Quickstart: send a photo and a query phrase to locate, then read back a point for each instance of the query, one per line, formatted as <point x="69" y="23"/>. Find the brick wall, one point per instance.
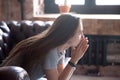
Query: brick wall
<point x="28" y="9"/>
<point x="11" y="10"/>
<point x="97" y="26"/>
<point x="0" y="9"/>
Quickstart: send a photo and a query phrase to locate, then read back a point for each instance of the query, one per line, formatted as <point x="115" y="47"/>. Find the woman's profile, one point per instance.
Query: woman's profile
<point x="43" y="55"/>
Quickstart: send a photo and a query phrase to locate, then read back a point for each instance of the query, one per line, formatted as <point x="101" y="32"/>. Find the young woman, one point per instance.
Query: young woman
<point x="41" y="55"/>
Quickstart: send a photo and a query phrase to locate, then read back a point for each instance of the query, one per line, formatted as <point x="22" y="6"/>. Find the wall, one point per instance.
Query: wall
<point x="11" y="9"/>
<point x="0" y="9"/>
<point x="28" y="9"/>
<point x="101" y="26"/>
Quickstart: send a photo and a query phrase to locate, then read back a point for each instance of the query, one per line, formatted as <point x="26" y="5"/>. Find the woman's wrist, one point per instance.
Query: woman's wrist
<point x="72" y="64"/>
<point x="74" y="61"/>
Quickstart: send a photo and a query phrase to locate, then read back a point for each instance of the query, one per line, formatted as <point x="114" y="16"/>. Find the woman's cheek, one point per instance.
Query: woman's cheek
<point x="78" y="40"/>
<point x="80" y="37"/>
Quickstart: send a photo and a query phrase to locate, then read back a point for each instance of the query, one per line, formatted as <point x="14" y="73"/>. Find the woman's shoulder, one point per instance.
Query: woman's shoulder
<point x="53" y="52"/>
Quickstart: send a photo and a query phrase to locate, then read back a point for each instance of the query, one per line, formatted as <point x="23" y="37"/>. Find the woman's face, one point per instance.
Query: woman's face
<point x="74" y="41"/>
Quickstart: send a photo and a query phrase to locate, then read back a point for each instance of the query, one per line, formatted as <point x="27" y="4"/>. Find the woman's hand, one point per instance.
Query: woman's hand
<point x="78" y="52"/>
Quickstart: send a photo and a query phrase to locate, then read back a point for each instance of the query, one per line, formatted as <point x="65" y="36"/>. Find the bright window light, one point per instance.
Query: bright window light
<point x="71" y="2"/>
<point x="38" y="7"/>
<point x="107" y="2"/>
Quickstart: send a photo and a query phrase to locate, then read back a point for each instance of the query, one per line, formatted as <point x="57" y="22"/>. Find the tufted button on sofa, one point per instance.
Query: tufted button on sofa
<point x="12" y="32"/>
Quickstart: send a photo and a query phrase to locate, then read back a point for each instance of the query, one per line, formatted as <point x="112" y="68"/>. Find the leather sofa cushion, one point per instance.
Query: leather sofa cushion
<point x="12" y="32"/>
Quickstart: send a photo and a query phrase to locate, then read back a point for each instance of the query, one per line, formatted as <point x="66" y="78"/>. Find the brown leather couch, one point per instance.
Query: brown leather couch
<point x="12" y="32"/>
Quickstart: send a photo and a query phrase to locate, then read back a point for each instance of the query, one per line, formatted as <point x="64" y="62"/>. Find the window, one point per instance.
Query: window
<point x="107" y="2"/>
<point x="38" y="7"/>
<point x="85" y="6"/>
<point x="71" y="2"/>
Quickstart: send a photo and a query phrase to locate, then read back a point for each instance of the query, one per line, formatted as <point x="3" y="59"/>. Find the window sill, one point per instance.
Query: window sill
<point x="51" y="17"/>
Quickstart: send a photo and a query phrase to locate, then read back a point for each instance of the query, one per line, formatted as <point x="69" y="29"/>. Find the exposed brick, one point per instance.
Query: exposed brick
<point x="11" y="9"/>
<point x="0" y="9"/>
<point x="104" y="27"/>
<point x="28" y="9"/>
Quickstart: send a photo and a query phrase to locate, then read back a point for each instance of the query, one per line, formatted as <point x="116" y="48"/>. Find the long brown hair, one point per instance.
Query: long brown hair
<point x="36" y="47"/>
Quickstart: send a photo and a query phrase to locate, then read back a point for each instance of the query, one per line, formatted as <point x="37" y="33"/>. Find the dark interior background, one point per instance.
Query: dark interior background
<point x="88" y="8"/>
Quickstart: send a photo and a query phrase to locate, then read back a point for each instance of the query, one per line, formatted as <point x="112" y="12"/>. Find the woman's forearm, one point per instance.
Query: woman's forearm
<point x="76" y="54"/>
<point x="60" y="68"/>
<point x="67" y="72"/>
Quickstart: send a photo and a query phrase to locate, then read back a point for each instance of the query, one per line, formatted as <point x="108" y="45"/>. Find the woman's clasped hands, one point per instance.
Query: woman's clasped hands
<point x="78" y="51"/>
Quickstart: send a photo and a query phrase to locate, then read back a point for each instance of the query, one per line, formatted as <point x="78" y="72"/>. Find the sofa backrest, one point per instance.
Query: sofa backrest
<point x="12" y="32"/>
<point x="4" y="39"/>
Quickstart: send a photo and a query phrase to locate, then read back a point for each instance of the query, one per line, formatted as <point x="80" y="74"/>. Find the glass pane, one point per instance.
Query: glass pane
<point x="107" y="2"/>
<point x="71" y="2"/>
<point x="38" y="7"/>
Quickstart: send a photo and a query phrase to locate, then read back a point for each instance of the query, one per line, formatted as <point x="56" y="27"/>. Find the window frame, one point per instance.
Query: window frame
<point x="89" y="8"/>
